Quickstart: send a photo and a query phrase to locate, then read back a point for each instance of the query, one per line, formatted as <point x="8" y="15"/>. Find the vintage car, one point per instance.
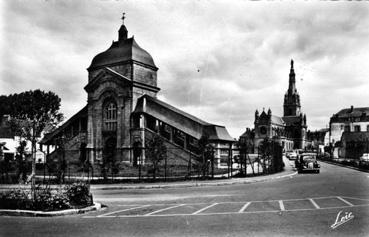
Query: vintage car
<point x="291" y="155"/>
<point x="307" y="162"/>
<point x="364" y="160"/>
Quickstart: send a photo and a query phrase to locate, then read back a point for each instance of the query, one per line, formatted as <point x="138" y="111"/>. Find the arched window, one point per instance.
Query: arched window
<point x="110" y="116"/>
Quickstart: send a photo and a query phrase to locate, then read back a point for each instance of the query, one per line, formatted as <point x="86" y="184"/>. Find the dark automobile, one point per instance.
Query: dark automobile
<point x="307" y="163"/>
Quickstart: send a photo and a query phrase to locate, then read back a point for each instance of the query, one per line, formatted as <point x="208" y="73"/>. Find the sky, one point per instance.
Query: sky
<point x="218" y="60"/>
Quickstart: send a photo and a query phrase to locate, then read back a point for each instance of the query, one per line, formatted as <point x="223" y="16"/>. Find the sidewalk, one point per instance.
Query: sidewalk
<point x="287" y="172"/>
<point x="344" y="165"/>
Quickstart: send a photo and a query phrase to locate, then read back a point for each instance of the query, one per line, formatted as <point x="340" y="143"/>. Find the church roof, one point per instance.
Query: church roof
<point x="277" y="120"/>
<point x="217" y="132"/>
<point x="122" y="51"/>
<point x="48" y="137"/>
<point x="180" y="119"/>
<point x="291" y="120"/>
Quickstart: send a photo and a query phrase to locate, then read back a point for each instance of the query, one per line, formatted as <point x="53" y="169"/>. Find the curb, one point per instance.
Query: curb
<point x="8" y="212"/>
<point x="200" y="184"/>
<point x="345" y="166"/>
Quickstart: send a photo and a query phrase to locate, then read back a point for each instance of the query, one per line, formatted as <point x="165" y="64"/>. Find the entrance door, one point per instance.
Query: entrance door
<point x="110" y="150"/>
<point x="137" y="150"/>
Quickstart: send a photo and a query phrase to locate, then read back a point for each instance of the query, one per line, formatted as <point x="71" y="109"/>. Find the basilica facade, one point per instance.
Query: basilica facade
<point x="290" y="129"/>
<point x="123" y="113"/>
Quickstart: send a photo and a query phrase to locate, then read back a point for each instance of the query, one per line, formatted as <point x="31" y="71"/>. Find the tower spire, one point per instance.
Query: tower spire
<point x="123" y="17"/>
<point x="291" y="104"/>
<point x="292" y="81"/>
<point x="123" y="32"/>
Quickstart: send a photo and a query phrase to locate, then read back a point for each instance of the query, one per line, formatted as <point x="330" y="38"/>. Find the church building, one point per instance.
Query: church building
<point x="123" y="113"/>
<point x="289" y="130"/>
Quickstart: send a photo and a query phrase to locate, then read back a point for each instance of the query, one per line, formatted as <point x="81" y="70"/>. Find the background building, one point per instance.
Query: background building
<point x="348" y="120"/>
<point x="349" y="132"/>
<point x="289" y="130"/>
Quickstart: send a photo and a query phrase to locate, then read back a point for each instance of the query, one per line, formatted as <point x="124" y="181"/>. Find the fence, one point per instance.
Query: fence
<point x="191" y="168"/>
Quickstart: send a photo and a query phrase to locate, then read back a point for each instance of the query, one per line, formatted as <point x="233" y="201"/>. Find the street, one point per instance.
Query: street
<point x="300" y="205"/>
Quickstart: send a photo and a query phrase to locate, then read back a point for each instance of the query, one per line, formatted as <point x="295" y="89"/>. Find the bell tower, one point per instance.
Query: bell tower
<point x="291" y="105"/>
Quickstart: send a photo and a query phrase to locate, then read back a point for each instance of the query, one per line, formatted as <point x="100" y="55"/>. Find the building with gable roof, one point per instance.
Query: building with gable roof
<point x="123" y="113"/>
<point x="349" y="132"/>
<point x="348" y="120"/>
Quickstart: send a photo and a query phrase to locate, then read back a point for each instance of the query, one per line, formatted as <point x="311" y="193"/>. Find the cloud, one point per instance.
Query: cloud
<point x="218" y="60"/>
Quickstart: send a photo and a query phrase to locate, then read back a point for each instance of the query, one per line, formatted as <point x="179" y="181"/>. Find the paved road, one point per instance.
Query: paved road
<point x="304" y="205"/>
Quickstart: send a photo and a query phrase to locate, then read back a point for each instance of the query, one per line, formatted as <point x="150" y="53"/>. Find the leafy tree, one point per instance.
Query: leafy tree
<point x="156" y="151"/>
<point x="31" y="112"/>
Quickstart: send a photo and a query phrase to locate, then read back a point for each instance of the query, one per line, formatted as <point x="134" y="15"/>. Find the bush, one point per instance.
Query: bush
<point x="16" y="199"/>
<point x="45" y="199"/>
<point x="79" y="194"/>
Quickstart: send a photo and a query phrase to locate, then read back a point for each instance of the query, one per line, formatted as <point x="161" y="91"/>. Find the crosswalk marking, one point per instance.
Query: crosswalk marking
<point x="281" y="205"/>
<point x="345" y="201"/>
<point x="203" y="209"/>
<point x="244" y="207"/>
<point x="164" y="209"/>
<point x="314" y="203"/>
<point x="128" y="209"/>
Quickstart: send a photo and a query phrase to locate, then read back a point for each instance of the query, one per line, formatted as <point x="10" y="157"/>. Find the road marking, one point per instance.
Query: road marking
<point x="314" y="203"/>
<point x="356" y="198"/>
<point x="227" y="213"/>
<point x="200" y="203"/>
<point x="246" y="204"/>
<point x="345" y="201"/>
<point x="128" y="209"/>
<point x="132" y="205"/>
<point x="203" y="209"/>
<point x="164" y="209"/>
<point x="244" y="207"/>
<point x="281" y="205"/>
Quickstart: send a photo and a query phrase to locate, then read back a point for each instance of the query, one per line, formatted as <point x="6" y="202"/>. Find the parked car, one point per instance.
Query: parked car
<point x="324" y="156"/>
<point x="364" y="160"/>
<point x="291" y="155"/>
<point x="307" y="163"/>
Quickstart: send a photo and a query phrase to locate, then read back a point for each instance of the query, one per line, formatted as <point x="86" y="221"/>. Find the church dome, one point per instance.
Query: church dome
<point x="122" y="51"/>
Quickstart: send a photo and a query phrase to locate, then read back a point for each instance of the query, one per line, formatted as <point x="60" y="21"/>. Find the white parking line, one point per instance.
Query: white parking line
<point x="203" y="209"/>
<point x="356" y="198"/>
<point x="164" y="209"/>
<point x="244" y="207"/>
<point x="230" y="213"/>
<point x="281" y="205"/>
<point x="128" y="209"/>
<point x="314" y="203"/>
<point x="345" y="201"/>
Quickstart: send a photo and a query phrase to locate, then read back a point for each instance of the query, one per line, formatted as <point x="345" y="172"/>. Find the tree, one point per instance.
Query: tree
<point x="242" y="146"/>
<point x="31" y="112"/>
<point x="156" y="151"/>
<point x="206" y="151"/>
<point x="265" y="150"/>
<point x="21" y="163"/>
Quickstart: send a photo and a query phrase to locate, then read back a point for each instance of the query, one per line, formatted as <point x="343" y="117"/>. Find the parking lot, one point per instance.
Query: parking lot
<point x="222" y="208"/>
